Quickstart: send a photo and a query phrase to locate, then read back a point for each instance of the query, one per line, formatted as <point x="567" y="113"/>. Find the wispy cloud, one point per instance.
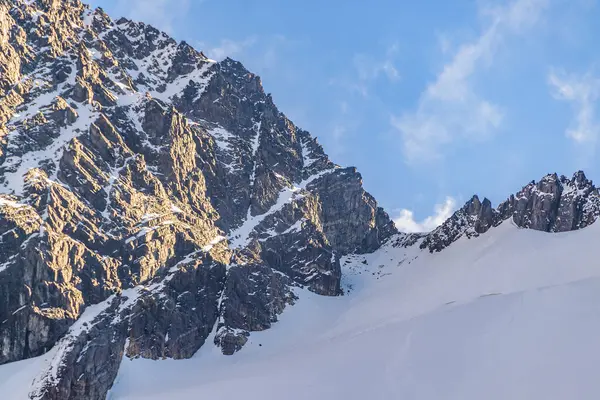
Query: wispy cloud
<point x="583" y="92"/>
<point x="405" y="222"/>
<point x="367" y="68"/>
<point x="275" y="48"/>
<point x="339" y="131"/>
<point x="450" y="108"/>
<point x="370" y="68"/>
<point x="162" y="14"/>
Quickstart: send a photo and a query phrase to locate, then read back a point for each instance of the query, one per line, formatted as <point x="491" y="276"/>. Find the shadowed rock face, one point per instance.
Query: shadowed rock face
<point x="151" y="198"/>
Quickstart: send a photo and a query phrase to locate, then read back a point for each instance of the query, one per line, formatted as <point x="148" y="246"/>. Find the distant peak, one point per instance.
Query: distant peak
<point x="579" y="176"/>
<point x="550" y="177"/>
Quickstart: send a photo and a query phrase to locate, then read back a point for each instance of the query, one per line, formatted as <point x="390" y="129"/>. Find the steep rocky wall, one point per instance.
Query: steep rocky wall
<point x="149" y="197"/>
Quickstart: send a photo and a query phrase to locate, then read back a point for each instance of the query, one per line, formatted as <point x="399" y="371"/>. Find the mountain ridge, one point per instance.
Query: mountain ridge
<point x="554" y="204"/>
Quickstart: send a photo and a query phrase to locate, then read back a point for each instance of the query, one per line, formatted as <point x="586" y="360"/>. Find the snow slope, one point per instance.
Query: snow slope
<point x="16" y="379"/>
<point x="513" y="314"/>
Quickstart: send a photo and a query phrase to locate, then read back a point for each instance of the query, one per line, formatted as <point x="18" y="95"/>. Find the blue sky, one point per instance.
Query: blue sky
<point x="432" y="100"/>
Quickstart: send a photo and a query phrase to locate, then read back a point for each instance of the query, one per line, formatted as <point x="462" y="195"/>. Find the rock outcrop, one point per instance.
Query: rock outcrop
<point x="474" y="218"/>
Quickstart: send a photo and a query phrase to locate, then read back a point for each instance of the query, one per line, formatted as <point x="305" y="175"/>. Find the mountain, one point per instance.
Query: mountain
<point x="156" y="205"/>
<point x="150" y="197"/>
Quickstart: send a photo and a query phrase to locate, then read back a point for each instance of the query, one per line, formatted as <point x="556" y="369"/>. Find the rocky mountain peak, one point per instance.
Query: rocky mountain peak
<point x="473" y="218"/>
<point x="152" y="200"/>
<point x="580" y="178"/>
<point x="553" y="204"/>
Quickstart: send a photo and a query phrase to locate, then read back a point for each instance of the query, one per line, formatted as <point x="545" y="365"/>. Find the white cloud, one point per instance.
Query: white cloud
<point x="405" y="222"/>
<point x="163" y="14"/>
<point x="450" y="108"/>
<point x="367" y="69"/>
<point x="275" y="47"/>
<point x="583" y="92"/>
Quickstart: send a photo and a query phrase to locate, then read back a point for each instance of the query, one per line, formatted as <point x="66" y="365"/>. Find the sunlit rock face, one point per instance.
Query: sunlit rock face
<point x="152" y="200"/>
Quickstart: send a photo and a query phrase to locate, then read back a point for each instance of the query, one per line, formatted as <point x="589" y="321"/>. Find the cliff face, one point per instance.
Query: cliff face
<point x="157" y="193"/>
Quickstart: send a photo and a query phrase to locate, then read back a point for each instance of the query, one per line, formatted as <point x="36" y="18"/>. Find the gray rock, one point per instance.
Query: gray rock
<point x="555" y="204"/>
<point x="473" y="219"/>
<point x="254" y="295"/>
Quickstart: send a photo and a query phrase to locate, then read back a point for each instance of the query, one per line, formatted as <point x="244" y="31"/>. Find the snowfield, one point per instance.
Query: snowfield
<point x="513" y="314"/>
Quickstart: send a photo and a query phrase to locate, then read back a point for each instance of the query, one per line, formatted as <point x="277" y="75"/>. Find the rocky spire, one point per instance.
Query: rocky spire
<point x="474" y="218"/>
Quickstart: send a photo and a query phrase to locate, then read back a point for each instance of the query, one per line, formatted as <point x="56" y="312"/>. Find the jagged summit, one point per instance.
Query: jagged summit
<point x="554" y="204"/>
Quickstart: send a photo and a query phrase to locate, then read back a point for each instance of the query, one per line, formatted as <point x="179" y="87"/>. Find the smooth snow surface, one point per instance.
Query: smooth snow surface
<point x="16" y="379"/>
<point x="513" y="314"/>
